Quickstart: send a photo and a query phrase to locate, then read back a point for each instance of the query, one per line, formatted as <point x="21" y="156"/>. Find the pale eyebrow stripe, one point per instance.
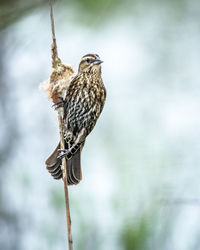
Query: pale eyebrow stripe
<point x="91" y="55"/>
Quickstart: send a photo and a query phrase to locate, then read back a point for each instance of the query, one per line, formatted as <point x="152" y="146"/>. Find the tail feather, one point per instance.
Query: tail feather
<point x="54" y="168"/>
<point x="57" y="173"/>
<point x="70" y="179"/>
<point x="74" y="174"/>
<point x="76" y="169"/>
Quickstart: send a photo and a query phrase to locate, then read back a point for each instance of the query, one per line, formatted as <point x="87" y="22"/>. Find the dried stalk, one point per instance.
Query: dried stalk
<point x="55" y="63"/>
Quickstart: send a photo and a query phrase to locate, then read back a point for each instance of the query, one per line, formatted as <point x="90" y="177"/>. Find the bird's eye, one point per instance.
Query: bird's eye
<point x="88" y="60"/>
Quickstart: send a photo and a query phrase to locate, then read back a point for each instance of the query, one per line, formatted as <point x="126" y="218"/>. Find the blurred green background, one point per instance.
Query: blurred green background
<point x="140" y="188"/>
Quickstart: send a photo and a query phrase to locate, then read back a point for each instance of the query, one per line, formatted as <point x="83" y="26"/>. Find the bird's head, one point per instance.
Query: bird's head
<point x="90" y="63"/>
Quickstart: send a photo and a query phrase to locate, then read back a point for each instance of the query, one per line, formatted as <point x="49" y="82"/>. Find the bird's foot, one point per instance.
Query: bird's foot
<point x="64" y="153"/>
<point x="58" y="105"/>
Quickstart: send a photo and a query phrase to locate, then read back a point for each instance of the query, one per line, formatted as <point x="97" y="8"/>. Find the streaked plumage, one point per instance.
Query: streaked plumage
<point x="83" y="104"/>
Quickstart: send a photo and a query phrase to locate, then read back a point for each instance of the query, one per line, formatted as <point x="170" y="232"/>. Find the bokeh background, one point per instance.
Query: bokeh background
<point x="140" y="188"/>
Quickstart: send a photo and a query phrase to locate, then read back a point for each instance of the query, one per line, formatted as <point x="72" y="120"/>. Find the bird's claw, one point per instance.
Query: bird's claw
<point x="58" y="105"/>
<point x="60" y="156"/>
<point x="62" y="150"/>
<point x="66" y="153"/>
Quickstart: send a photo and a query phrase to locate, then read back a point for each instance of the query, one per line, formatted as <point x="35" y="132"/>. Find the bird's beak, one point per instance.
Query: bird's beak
<point x="97" y="61"/>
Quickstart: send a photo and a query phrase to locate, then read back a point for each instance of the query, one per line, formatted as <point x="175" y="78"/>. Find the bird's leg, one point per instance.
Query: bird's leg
<point x="68" y="153"/>
<point x="59" y="104"/>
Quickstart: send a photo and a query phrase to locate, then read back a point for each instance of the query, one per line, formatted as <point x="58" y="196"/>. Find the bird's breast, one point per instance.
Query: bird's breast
<point x="86" y="99"/>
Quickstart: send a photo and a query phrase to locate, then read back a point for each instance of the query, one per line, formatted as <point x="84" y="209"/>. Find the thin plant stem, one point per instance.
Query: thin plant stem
<point x="55" y="60"/>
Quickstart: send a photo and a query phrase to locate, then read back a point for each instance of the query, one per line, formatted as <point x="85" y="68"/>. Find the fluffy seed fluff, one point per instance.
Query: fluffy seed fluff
<point x="57" y="84"/>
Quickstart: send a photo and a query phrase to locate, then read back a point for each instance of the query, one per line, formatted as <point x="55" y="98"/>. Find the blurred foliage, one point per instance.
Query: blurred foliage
<point x="11" y="10"/>
<point x="135" y="235"/>
<point x="145" y="231"/>
<point x="91" y="12"/>
<point x="9" y="220"/>
<point x="57" y="199"/>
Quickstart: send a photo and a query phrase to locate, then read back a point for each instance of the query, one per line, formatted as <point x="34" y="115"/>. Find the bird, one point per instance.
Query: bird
<point x="82" y="106"/>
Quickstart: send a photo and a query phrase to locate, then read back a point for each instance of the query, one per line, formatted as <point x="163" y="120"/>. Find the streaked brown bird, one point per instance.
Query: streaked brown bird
<point x="82" y="107"/>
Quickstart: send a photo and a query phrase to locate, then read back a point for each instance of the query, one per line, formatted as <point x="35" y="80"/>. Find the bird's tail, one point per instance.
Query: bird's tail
<point x="74" y="174"/>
